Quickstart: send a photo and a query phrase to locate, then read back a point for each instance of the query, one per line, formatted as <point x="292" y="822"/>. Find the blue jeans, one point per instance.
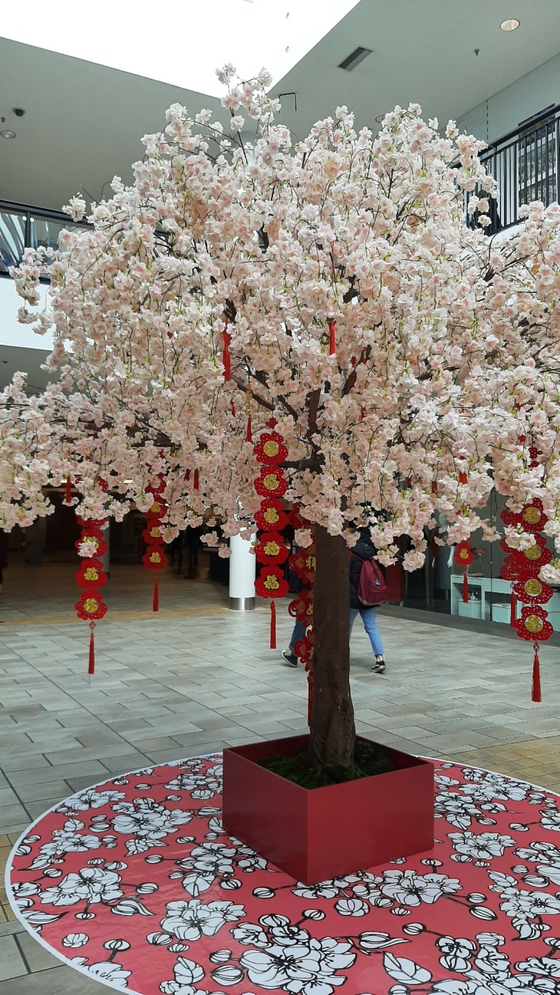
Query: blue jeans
<point x="370" y="625"/>
<point x="297" y="634"/>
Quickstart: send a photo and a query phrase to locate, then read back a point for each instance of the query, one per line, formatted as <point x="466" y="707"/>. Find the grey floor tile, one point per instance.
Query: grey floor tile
<point x="12" y="964"/>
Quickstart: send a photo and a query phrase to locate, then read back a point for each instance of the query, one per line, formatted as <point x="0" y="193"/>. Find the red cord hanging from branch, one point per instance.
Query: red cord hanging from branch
<point x="91" y="577"/>
<point x="536" y="682"/>
<point x="332" y="338"/>
<point x="226" y="357"/>
<point x="68" y="491"/>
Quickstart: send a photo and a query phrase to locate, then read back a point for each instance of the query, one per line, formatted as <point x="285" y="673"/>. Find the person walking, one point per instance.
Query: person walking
<point x="364" y="552"/>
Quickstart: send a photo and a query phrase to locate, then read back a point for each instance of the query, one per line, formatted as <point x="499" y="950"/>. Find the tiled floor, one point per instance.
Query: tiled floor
<point x="198" y="677"/>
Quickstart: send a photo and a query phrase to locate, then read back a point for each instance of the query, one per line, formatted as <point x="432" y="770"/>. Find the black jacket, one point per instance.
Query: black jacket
<point x="363" y="550"/>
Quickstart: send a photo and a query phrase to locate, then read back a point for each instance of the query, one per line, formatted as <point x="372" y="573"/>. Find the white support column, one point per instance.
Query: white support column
<point x="242" y="573"/>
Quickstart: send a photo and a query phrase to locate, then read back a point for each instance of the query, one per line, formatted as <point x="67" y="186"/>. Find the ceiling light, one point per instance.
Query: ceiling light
<point x="510" y="25"/>
<point x="354" y="59"/>
<point x="7" y="134"/>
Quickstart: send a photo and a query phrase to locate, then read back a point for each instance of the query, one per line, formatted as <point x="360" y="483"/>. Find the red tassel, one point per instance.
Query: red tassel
<point x="155" y="601"/>
<point x="332" y="339"/>
<point x="362" y="413"/>
<point x="434" y="486"/>
<point x="187" y="475"/>
<point x="232" y="405"/>
<point x="91" y="665"/>
<point x="465" y="586"/>
<point x="249" y="432"/>
<point x="226" y="358"/>
<point x="68" y="496"/>
<point x="462" y="477"/>
<point x="513" y="614"/>
<point x="196" y="480"/>
<point x="272" y="625"/>
<point x="536" y="695"/>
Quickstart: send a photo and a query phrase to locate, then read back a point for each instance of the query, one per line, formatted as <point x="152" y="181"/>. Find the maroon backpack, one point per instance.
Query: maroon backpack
<point x="371" y="589"/>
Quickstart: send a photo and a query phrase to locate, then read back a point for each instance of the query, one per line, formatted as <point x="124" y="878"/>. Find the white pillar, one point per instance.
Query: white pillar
<point x="242" y="573"/>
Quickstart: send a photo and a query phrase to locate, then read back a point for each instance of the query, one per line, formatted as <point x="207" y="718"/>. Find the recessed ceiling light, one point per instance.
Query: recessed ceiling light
<point x="510" y="25"/>
<point x="7" y="134"/>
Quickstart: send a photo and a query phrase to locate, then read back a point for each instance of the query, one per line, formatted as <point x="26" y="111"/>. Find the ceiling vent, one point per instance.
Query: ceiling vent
<point x="354" y="59"/>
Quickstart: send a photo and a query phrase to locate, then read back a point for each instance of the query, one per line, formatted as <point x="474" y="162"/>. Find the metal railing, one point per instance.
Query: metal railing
<point x="526" y="166"/>
<point x="22" y="226"/>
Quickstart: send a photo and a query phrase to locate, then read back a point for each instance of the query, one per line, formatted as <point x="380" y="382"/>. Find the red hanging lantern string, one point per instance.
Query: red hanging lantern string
<point x="154" y="558"/>
<point x="523" y="567"/>
<point x="91" y="577"/>
<point x="271" y="550"/>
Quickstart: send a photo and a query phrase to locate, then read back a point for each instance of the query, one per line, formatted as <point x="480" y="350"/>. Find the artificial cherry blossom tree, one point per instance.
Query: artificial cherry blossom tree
<point x="407" y="357"/>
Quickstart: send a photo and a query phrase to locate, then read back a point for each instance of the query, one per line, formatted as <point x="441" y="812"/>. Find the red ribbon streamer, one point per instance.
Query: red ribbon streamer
<point x="272" y="625"/>
<point x="513" y="614"/>
<point x="536" y="688"/>
<point x="196" y="481"/>
<point x="465" y="586"/>
<point x="332" y="338"/>
<point x="91" y="665"/>
<point x="155" y="600"/>
<point x="68" y="495"/>
<point x="226" y="358"/>
<point x="249" y="432"/>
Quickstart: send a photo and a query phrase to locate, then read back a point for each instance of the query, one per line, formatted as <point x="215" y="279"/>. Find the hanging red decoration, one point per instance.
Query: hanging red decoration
<point x="226" y="358"/>
<point x="271" y="515"/>
<point x="68" y="491"/>
<point x="154" y="558"/>
<point x="91" y="577"/>
<point x="271" y="519"/>
<point x="464" y="556"/>
<point x="522" y="567"/>
<point x="332" y="338"/>
<point x="271" y="548"/>
<point x="271" y="481"/>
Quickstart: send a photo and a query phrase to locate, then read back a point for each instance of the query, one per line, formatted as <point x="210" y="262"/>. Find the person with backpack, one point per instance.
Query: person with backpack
<point x="367" y="590"/>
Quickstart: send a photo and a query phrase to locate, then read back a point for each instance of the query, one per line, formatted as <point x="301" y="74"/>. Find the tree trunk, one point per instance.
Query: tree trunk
<point x="333" y="732"/>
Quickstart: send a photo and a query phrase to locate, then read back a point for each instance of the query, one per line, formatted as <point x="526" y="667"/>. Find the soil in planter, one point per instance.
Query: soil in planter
<point x="369" y="759"/>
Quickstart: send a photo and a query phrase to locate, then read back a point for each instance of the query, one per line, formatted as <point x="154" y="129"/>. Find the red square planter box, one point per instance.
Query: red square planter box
<point x="327" y="832"/>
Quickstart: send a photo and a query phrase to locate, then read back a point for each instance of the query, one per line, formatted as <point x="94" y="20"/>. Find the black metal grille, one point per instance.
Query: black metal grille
<point x="526" y="167"/>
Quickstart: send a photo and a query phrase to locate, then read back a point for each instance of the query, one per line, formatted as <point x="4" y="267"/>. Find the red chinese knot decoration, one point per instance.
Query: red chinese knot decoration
<point x="271" y="518"/>
<point x="91" y="577"/>
<point x="464" y="557"/>
<point x="154" y="558"/>
<point x="522" y="567"/>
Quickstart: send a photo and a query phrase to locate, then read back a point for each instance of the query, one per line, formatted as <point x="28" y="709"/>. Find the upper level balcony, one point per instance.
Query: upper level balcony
<point x="526" y="166"/>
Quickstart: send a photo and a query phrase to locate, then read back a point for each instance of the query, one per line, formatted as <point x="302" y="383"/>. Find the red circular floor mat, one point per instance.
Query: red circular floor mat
<point x="134" y="883"/>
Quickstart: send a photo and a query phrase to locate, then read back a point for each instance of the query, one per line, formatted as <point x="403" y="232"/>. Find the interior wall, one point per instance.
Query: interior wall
<point x="506" y="109"/>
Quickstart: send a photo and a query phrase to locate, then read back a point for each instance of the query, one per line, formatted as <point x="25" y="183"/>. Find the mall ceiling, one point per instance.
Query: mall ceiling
<point x="83" y="121"/>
